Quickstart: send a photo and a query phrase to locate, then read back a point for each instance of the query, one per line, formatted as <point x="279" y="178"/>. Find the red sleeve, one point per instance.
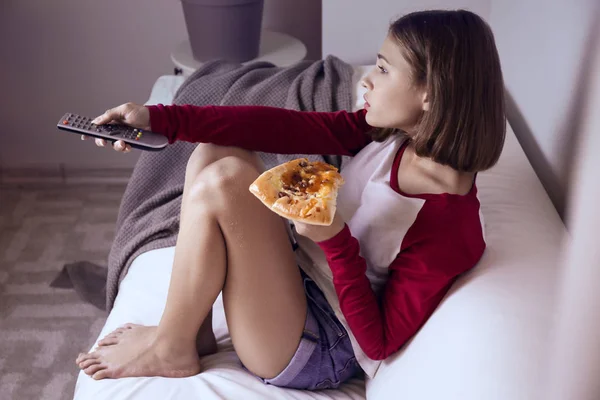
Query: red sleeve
<point x="261" y="128"/>
<point x="418" y="280"/>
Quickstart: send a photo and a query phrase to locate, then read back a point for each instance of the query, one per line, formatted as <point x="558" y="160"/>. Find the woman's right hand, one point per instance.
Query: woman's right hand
<point x="131" y="114"/>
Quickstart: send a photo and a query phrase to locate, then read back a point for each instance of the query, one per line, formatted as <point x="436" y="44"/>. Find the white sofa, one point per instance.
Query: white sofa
<point x="488" y="340"/>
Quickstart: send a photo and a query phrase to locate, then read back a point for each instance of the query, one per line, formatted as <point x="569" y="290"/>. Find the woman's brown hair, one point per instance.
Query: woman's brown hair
<point x="453" y="56"/>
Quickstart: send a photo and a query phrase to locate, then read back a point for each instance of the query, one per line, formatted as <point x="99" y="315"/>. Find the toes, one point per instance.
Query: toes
<point x="101" y="374"/>
<point x="118" y="330"/>
<point x="87" y="356"/>
<point x="108" y="341"/>
<point x="110" y="335"/>
<point x="93" y="369"/>
<point x="114" y="333"/>
<point x="84" y="356"/>
<point x="130" y="326"/>
<point x="88" y="363"/>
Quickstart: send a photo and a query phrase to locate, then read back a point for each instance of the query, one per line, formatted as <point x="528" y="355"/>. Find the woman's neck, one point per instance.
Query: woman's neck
<point x="448" y="179"/>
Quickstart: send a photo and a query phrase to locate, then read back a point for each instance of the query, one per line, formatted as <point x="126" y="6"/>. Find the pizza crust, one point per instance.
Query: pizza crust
<point x="311" y="200"/>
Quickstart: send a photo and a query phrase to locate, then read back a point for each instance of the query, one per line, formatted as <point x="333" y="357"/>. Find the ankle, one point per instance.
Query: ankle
<point x="168" y="345"/>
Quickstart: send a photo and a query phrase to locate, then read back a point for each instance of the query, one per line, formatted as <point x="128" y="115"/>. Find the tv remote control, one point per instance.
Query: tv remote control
<point x="136" y="138"/>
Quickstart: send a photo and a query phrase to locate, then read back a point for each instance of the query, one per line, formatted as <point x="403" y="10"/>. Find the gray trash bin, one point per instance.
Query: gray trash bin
<point x="228" y="29"/>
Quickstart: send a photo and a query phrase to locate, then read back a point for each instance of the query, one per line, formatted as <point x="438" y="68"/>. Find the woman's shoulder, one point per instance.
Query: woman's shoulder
<point x="429" y="184"/>
<point x="428" y="180"/>
<point x="450" y="229"/>
<point x="451" y="219"/>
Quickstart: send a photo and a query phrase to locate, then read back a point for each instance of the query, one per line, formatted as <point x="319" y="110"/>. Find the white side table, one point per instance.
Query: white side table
<point x="278" y="48"/>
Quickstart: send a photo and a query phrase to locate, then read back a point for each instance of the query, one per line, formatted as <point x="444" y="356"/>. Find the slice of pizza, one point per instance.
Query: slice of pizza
<point x="300" y="190"/>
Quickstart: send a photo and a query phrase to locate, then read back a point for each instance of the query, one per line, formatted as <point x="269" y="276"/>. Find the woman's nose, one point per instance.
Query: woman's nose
<point x="366" y="81"/>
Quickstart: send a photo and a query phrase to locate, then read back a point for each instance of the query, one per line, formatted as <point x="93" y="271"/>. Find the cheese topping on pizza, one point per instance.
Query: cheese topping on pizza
<point x="316" y="178"/>
<point x="300" y="189"/>
<point x="312" y="181"/>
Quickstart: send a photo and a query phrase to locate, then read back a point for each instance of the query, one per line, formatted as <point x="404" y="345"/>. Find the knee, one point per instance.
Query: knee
<point x="230" y="175"/>
<point x="207" y="153"/>
<point x="203" y="155"/>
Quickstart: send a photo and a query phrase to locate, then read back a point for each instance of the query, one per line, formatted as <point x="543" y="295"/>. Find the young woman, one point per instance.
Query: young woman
<point x="408" y="220"/>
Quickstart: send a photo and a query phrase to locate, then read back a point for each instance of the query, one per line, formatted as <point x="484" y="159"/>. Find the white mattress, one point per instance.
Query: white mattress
<point x="486" y="340"/>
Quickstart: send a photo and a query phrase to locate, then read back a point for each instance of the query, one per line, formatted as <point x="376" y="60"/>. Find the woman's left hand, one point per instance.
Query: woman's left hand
<point x="320" y="233"/>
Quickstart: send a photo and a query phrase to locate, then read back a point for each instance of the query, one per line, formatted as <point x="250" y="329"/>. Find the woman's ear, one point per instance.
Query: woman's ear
<point x="425" y="102"/>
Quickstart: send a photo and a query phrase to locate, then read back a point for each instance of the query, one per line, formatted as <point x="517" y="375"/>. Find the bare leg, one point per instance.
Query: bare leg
<point x="228" y="240"/>
<point x="205" y="339"/>
<point x="204" y="155"/>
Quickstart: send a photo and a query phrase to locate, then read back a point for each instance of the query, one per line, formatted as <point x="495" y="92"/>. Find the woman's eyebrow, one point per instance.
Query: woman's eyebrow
<point x="381" y="57"/>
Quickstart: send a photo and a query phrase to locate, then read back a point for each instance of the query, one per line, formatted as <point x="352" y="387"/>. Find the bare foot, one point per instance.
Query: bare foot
<point x="206" y="342"/>
<point x="135" y="351"/>
<point x="111" y="338"/>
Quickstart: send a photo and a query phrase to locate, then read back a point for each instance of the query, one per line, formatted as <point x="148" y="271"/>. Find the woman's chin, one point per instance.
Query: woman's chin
<point x="372" y="120"/>
<point x="369" y="118"/>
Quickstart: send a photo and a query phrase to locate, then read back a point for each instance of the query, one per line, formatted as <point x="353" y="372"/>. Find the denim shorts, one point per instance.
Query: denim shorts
<point x="324" y="358"/>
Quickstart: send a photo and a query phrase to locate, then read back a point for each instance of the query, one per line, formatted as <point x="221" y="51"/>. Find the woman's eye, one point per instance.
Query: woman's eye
<point x="381" y="69"/>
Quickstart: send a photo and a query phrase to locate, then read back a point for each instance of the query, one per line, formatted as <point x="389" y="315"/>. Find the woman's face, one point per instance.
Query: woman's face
<point x="391" y="100"/>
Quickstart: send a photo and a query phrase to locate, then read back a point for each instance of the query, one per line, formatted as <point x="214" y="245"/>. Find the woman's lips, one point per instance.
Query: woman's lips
<point x="367" y="105"/>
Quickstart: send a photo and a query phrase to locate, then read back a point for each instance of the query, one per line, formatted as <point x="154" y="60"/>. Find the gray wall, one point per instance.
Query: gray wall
<point x="354" y="29"/>
<point x="299" y="18"/>
<point x="73" y="56"/>
<point x="544" y="50"/>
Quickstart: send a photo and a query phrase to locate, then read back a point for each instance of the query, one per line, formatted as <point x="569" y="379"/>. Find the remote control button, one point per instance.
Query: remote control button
<point x="66" y="122"/>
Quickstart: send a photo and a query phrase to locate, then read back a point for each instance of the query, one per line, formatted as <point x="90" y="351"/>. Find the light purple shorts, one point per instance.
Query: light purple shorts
<point x="324" y="358"/>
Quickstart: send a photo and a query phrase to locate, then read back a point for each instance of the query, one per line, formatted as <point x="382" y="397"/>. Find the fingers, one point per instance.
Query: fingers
<point x="112" y="114"/>
<point x="119" y="145"/>
<point x="119" y="114"/>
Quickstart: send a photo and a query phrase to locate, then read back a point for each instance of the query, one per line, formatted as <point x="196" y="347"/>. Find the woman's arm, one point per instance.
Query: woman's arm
<point x="261" y="128"/>
<point x="419" y="278"/>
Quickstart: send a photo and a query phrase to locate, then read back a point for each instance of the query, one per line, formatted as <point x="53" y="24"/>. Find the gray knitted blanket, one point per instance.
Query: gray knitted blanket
<point x="148" y="217"/>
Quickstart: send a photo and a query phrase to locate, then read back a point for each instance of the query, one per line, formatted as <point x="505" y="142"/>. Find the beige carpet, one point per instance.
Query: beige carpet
<point x="42" y="329"/>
